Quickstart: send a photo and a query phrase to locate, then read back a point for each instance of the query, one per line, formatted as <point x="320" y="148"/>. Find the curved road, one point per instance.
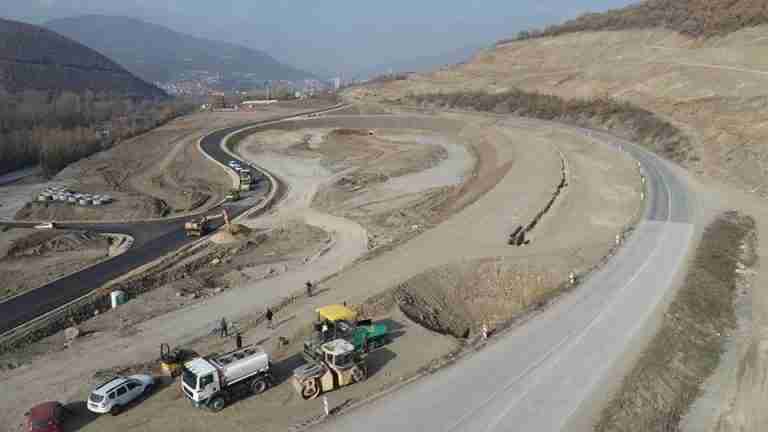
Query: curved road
<point x="539" y="377"/>
<point x="545" y="375"/>
<point x="152" y="240"/>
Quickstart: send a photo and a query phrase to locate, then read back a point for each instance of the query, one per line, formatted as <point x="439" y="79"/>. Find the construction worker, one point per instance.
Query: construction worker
<point x="238" y="340"/>
<point x="223" y="328"/>
<point x="269" y="318"/>
<point x="309" y="288"/>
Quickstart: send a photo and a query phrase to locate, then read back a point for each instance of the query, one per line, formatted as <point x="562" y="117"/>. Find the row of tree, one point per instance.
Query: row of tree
<point x="54" y="130"/>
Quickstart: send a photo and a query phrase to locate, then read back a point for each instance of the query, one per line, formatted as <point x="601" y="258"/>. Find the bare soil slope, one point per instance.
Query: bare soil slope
<point x="714" y="90"/>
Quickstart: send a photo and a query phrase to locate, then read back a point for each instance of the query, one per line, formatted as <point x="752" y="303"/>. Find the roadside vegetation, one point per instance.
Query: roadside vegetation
<point x="56" y="130"/>
<point x="696" y="18"/>
<point x="623" y="118"/>
<point x="668" y="377"/>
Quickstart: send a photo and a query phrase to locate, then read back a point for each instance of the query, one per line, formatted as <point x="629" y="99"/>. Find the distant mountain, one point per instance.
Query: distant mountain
<point x="159" y="54"/>
<point x="422" y="64"/>
<point x="34" y="58"/>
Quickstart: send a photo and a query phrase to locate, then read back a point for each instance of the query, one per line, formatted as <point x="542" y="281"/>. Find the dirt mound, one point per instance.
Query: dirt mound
<point x="235" y="234"/>
<point x="458" y="299"/>
<point x="345" y="131"/>
<point x="30" y="261"/>
<point x="43" y="242"/>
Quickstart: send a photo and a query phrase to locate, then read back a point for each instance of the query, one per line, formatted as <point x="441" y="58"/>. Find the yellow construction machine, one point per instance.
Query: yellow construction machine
<point x="333" y="365"/>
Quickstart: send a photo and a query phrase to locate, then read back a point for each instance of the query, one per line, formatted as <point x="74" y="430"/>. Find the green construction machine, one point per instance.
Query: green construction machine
<point x="340" y="322"/>
<point x="233" y="195"/>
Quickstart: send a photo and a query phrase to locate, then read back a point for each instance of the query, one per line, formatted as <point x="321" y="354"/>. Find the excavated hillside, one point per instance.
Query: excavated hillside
<point x="713" y="89"/>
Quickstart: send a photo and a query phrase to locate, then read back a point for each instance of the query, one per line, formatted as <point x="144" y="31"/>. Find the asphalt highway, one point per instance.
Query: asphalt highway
<point x="544" y="375"/>
<point x="152" y="240"/>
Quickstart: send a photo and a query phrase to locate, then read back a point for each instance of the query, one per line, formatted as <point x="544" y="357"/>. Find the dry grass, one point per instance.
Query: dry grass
<point x="668" y="376"/>
<point x="636" y="123"/>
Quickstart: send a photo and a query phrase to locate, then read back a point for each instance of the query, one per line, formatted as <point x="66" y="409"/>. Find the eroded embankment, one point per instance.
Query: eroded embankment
<point x="687" y="348"/>
<point x="457" y="299"/>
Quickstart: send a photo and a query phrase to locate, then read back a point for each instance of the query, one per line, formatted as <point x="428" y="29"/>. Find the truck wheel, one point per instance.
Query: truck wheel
<point x="310" y="389"/>
<point x="217" y="404"/>
<point x="358" y="374"/>
<point x="259" y="386"/>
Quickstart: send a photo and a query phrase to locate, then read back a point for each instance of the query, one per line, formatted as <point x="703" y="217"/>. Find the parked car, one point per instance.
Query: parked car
<point x="45" y="417"/>
<point x="112" y="396"/>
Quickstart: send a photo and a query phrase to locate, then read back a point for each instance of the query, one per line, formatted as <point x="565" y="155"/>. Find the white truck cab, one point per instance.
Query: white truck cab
<point x="215" y="380"/>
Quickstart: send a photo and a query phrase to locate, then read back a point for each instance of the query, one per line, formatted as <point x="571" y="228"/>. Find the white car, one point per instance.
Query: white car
<point x="45" y="225"/>
<point x="112" y="396"/>
<point x="234" y="164"/>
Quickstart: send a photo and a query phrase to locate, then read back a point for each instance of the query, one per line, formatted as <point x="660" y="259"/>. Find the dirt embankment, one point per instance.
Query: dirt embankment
<point x="32" y="258"/>
<point x="458" y="299"/>
<point x="670" y="373"/>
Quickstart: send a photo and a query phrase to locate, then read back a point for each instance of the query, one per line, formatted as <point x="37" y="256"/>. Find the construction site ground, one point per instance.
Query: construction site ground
<point x="158" y="173"/>
<point x="30" y="258"/>
<point x="712" y="89"/>
<point x="510" y="170"/>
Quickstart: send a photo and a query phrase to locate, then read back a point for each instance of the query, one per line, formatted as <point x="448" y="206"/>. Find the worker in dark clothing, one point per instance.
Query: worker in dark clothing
<point x="223" y="328"/>
<point x="269" y="318"/>
<point x="309" y="288"/>
<point x="239" y="340"/>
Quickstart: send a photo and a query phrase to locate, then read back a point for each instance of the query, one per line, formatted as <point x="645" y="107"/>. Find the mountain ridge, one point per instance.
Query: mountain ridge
<point x="160" y="54"/>
<point x="35" y="58"/>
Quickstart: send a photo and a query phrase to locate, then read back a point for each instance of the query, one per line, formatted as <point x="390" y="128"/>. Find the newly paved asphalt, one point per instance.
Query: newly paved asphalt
<point x="152" y="240"/>
<point x="543" y="376"/>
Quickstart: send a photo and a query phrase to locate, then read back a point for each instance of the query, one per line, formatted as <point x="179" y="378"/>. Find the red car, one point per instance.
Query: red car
<point x="45" y="417"/>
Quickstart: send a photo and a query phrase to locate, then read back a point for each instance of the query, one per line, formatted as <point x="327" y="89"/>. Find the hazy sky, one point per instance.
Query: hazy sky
<point x="330" y="35"/>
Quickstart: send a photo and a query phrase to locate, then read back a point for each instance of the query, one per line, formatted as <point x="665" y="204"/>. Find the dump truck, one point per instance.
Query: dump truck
<point x="233" y="195"/>
<point x="212" y="382"/>
<point x="246" y="180"/>
<point x="333" y="365"/>
<point x="198" y="227"/>
<point x="341" y="322"/>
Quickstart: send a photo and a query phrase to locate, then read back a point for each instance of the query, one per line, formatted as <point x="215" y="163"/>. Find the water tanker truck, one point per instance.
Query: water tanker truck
<point x="214" y="381"/>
